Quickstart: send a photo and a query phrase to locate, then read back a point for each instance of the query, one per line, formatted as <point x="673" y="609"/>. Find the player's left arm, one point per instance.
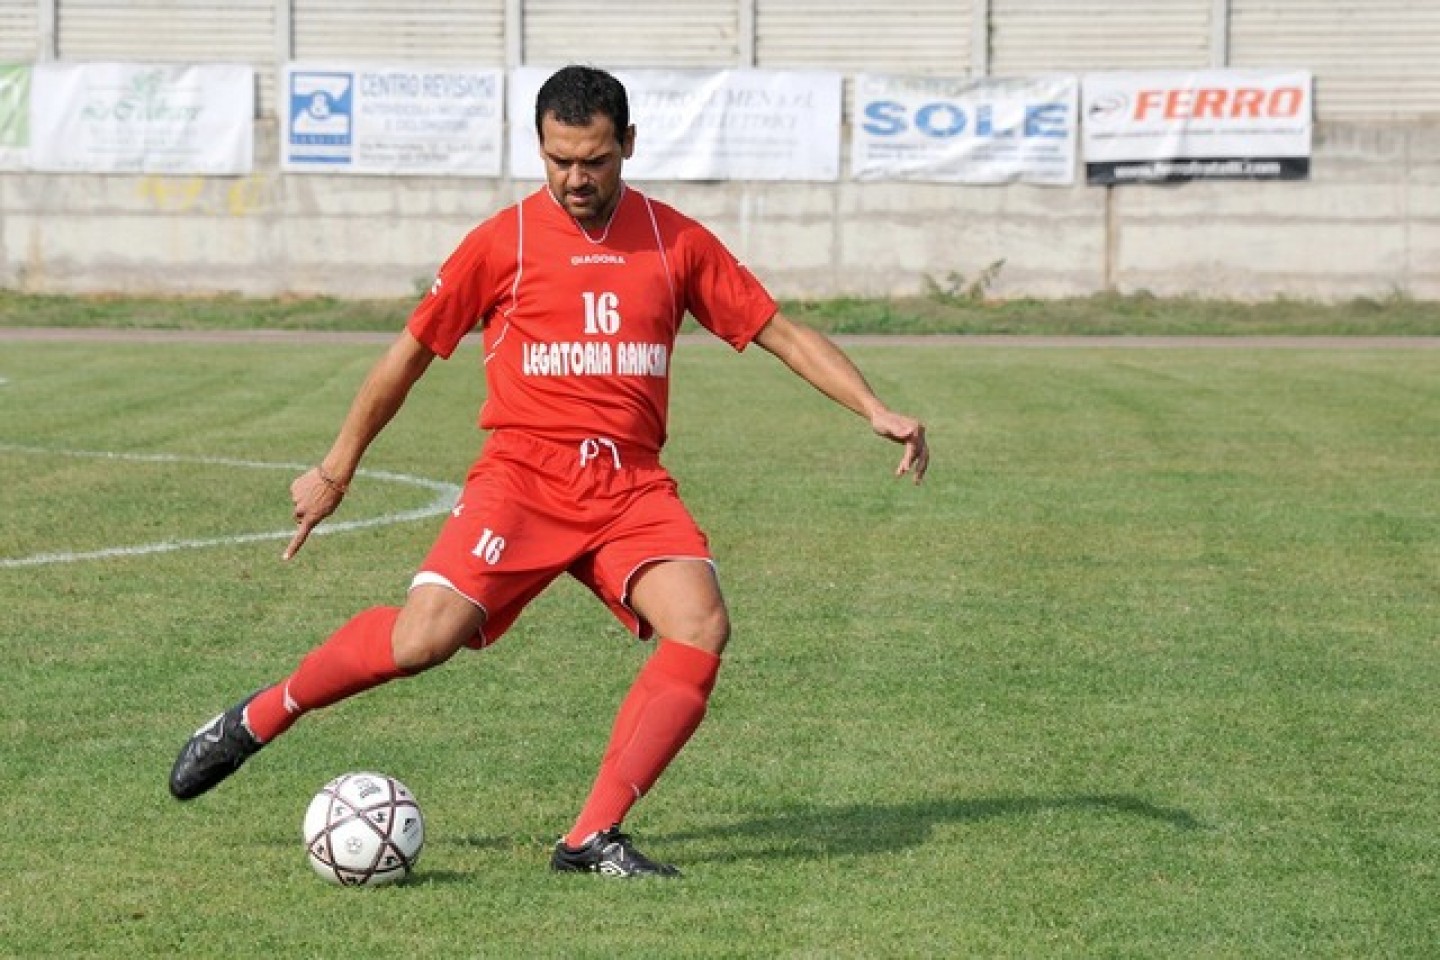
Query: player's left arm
<point x="817" y="360"/>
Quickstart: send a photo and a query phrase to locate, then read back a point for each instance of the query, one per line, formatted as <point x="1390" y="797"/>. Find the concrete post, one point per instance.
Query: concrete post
<point x="1219" y="33"/>
<point x="980" y="38"/>
<point x="45" y="43"/>
<point x="745" y="27"/>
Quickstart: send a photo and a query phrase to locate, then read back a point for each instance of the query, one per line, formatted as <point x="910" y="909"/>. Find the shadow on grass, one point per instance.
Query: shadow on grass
<point x="862" y="829"/>
<point x="848" y="831"/>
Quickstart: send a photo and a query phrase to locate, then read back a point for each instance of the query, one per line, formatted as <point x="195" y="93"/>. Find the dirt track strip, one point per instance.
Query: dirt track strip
<point x="309" y="337"/>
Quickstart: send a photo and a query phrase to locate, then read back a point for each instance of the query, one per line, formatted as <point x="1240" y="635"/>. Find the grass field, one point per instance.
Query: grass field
<point x="1147" y="668"/>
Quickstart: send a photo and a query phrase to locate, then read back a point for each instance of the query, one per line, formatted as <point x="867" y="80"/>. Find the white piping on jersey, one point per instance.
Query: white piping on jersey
<point x="664" y="260"/>
<point x="515" y="285"/>
<point x="520" y="258"/>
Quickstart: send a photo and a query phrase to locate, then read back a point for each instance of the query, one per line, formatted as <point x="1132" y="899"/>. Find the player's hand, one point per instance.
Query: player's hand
<point x="910" y="432"/>
<point x="315" y="497"/>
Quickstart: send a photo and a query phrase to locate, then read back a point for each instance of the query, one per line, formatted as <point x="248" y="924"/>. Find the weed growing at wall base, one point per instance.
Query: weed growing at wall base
<point x="959" y="307"/>
<point x="956" y="304"/>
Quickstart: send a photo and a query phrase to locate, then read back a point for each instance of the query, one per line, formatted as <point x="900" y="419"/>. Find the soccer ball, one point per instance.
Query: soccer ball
<point x="364" y="829"/>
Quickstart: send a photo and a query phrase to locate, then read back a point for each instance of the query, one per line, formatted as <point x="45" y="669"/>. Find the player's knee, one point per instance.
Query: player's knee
<point x="708" y="629"/>
<point x="431" y="629"/>
<point x="415" y="652"/>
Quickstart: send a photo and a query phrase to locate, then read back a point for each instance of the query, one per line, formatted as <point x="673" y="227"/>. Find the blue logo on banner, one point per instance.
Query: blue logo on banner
<point x="322" y="117"/>
<point x="943" y="119"/>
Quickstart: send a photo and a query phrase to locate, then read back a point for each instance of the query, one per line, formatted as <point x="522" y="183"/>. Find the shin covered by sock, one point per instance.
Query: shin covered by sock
<point x="663" y="708"/>
<point x="357" y="657"/>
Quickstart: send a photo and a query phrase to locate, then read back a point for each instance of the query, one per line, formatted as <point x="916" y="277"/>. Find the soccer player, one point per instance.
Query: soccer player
<point x="579" y="289"/>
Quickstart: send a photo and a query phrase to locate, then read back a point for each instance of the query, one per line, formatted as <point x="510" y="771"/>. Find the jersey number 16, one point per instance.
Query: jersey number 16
<point x="602" y="313"/>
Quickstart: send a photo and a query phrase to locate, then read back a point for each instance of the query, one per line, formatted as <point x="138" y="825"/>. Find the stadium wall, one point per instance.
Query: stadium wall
<point x="1366" y="222"/>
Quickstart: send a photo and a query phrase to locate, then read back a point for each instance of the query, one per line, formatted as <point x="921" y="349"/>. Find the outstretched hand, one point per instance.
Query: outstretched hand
<point x="909" y="431"/>
<point x="315" y="498"/>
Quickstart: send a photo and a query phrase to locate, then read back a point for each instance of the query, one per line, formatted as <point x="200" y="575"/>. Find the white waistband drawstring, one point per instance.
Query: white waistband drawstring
<point x="590" y="450"/>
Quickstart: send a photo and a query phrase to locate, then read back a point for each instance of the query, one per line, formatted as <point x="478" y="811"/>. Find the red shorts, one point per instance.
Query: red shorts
<point x="533" y="509"/>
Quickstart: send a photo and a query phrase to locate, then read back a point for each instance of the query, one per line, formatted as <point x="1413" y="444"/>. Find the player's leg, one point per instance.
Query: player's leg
<point x="681" y="601"/>
<point x="462" y="596"/>
<point x="374" y="647"/>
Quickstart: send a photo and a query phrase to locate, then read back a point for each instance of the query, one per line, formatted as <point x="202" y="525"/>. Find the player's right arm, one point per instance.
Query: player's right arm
<point x="460" y="296"/>
<point x="318" y="491"/>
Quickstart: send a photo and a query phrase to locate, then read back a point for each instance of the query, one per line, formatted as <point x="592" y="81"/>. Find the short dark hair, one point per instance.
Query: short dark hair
<point x="575" y="94"/>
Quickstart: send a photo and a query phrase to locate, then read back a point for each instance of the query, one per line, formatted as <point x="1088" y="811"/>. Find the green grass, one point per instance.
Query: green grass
<point x="941" y="311"/>
<point x="201" y="313"/>
<point x="1147" y="668"/>
<point x="1112" y="314"/>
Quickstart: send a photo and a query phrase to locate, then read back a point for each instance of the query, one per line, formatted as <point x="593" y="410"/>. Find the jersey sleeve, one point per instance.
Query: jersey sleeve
<point x="721" y="292"/>
<point x="461" y="296"/>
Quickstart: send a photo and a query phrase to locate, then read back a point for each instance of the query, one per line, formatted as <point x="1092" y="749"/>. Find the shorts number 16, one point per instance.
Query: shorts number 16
<point x="490" y="547"/>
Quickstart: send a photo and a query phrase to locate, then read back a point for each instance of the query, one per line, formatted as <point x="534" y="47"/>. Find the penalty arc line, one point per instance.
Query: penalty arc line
<point x="445" y="497"/>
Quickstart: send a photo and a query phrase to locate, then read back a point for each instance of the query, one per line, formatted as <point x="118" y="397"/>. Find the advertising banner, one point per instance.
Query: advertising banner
<point x="708" y="125"/>
<point x="14" y="116"/>
<point x="142" y="118"/>
<point x="1202" y="125"/>
<point x="404" y="120"/>
<point x="965" y="131"/>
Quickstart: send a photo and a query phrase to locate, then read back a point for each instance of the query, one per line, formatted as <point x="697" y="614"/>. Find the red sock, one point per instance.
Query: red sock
<point x="661" y="711"/>
<point x="357" y="657"/>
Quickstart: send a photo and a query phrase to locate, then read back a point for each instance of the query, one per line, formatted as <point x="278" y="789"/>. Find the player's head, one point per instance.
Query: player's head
<point x="582" y="117"/>
<point x="575" y="95"/>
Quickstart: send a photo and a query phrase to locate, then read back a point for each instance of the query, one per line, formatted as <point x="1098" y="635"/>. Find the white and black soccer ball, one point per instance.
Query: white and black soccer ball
<point x="364" y="829"/>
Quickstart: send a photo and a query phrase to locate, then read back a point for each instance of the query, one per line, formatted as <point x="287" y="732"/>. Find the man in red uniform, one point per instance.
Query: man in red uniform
<point x="580" y="290"/>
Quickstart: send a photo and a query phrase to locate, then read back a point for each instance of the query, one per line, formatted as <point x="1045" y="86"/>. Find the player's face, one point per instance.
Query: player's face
<point x="582" y="166"/>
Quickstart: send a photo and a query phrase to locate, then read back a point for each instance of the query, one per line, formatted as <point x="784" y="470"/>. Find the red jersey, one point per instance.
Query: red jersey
<point x="579" y="329"/>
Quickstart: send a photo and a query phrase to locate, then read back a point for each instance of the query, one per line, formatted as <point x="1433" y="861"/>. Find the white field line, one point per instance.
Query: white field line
<point x="445" y="496"/>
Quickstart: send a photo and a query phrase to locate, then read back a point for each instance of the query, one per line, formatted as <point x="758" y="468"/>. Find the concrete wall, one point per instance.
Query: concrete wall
<point x="1367" y="223"/>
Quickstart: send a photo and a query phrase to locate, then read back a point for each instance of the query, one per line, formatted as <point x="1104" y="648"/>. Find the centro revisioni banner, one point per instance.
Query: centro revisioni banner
<point x="391" y="119"/>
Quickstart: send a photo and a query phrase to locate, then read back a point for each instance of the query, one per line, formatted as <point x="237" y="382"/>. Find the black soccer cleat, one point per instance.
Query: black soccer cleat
<point x="215" y="751"/>
<point x="609" y="854"/>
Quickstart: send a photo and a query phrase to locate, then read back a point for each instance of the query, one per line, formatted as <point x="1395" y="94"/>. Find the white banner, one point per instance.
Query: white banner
<point x="142" y="118"/>
<point x="965" y="131"/>
<point x="712" y="125"/>
<point x="402" y="119"/>
<point x="14" y="116"/>
<point x="1208" y="124"/>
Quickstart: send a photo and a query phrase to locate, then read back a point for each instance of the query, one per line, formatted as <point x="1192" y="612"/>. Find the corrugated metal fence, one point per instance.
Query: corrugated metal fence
<point x="1374" y="59"/>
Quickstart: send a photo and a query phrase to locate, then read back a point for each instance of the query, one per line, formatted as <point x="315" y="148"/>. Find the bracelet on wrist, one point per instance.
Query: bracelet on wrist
<point x="339" y="486"/>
